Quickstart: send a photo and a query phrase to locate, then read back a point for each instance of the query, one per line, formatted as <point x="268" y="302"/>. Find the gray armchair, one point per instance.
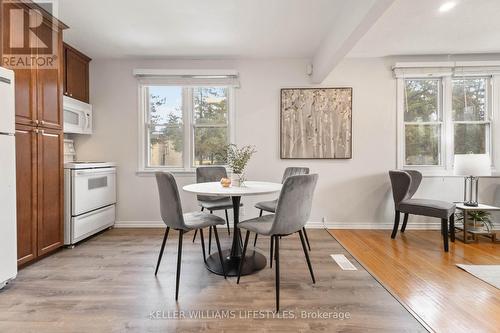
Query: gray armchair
<point x="172" y="216"/>
<point x="292" y="212"/>
<point x="404" y="185"/>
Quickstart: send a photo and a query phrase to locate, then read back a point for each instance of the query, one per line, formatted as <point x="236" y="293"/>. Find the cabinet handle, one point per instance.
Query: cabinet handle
<point x="42" y="122"/>
<point x="42" y="132"/>
<point x="36" y="122"/>
<point x="36" y="130"/>
<point x="71" y="95"/>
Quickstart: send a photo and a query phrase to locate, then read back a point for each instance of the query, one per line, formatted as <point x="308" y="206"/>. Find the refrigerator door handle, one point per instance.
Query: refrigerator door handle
<point x="5" y="80"/>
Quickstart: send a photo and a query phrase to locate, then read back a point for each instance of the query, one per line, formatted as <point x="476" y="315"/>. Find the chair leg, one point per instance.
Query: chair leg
<point x="179" y="257"/>
<point x="162" y="249"/>
<point x="405" y="220"/>
<point x="243" y="256"/>
<point x="444" y="231"/>
<point x="277" y="254"/>
<point x="256" y="235"/>
<point x="452" y="227"/>
<point x="307" y="238"/>
<point x="196" y="231"/>
<point x="227" y="223"/>
<point x="203" y="245"/>
<point x="396" y="225"/>
<point x="271" y="258"/>
<point x="209" y="240"/>
<point x="307" y="256"/>
<point x="210" y="235"/>
<point x="220" y="252"/>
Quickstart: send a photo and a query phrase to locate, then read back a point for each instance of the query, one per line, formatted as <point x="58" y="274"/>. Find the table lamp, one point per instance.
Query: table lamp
<point x="472" y="166"/>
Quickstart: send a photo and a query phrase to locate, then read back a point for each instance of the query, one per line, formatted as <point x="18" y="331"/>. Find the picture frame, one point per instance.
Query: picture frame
<point x="316" y="123"/>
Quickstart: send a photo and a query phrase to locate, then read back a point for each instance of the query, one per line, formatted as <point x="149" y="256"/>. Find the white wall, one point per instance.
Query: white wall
<point x="350" y="193"/>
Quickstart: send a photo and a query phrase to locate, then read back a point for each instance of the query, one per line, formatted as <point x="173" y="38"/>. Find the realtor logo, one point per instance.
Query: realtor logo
<point x="29" y="37"/>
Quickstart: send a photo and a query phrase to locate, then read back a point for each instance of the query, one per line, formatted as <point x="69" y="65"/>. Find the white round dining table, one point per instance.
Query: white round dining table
<point x="254" y="261"/>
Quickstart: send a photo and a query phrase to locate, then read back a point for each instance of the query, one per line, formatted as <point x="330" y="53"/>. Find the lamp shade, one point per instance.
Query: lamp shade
<point x="472" y="165"/>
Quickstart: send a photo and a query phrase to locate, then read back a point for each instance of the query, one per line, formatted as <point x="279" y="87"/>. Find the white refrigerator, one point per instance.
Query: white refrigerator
<point x="8" y="225"/>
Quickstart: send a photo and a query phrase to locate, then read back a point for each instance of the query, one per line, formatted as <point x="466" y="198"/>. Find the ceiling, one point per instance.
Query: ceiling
<point x="197" y="28"/>
<point x="411" y="27"/>
<point x="324" y="31"/>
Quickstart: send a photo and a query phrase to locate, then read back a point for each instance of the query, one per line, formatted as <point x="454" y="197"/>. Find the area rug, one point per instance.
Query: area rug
<point x="488" y="273"/>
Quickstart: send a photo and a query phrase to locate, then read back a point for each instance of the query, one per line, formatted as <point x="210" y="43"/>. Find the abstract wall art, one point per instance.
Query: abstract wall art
<point x="316" y="123"/>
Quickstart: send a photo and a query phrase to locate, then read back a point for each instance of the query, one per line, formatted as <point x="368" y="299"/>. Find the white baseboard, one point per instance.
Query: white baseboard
<point x="309" y="225"/>
<point x="382" y="226"/>
<point x="139" y="224"/>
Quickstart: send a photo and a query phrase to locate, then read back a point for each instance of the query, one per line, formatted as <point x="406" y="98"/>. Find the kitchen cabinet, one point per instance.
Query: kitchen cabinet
<point x="50" y="177"/>
<point x="39" y="169"/>
<point x="39" y="139"/>
<point x="37" y="87"/>
<point x="25" y="96"/>
<point x="26" y="185"/>
<point x="76" y="74"/>
<point x="49" y="98"/>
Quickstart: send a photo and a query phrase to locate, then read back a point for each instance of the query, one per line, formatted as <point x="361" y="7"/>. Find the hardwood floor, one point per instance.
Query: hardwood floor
<point x="107" y="284"/>
<point x="417" y="271"/>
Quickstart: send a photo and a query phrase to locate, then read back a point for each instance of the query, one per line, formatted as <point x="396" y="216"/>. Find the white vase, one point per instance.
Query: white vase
<point x="236" y="180"/>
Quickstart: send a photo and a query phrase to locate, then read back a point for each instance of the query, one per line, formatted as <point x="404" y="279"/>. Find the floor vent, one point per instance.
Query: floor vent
<point x="343" y="262"/>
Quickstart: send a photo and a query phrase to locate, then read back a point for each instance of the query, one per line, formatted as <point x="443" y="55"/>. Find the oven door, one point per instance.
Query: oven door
<point x="92" y="189"/>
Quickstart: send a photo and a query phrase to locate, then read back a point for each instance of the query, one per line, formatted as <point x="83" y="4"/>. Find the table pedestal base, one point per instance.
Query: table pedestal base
<point x="254" y="261"/>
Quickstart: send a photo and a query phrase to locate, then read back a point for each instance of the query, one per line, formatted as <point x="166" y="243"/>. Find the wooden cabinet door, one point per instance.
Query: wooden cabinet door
<point x="25" y="77"/>
<point x="76" y="77"/>
<point x="26" y="182"/>
<point x="49" y="104"/>
<point x="25" y="92"/>
<point x="50" y="190"/>
<point x="49" y="85"/>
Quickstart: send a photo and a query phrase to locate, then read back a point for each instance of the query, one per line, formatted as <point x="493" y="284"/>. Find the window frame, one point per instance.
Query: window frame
<point x="440" y="122"/>
<point x="489" y="110"/>
<point x="447" y="128"/>
<point x="188" y="152"/>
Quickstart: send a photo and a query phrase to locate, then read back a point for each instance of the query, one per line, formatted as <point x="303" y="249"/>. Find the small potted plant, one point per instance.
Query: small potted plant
<point x="478" y="216"/>
<point x="237" y="159"/>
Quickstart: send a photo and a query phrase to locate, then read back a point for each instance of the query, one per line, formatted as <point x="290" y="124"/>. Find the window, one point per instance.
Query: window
<point x="210" y="124"/>
<point x="442" y="112"/>
<point x="470" y="114"/>
<point x="423" y="122"/>
<point x="184" y="126"/>
<point x="165" y="127"/>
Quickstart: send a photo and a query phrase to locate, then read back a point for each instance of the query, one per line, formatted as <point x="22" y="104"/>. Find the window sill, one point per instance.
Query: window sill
<point x="441" y="173"/>
<point x="175" y="172"/>
<point x="493" y="175"/>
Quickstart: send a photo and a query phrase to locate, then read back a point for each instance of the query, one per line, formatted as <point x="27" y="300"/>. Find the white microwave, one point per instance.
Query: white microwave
<point x="77" y="116"/>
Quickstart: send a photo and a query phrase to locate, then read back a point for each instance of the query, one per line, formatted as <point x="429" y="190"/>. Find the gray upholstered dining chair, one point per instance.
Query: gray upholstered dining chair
<point x="172" y="216"/>
<point x="292" y="212"/>
<point x="404" y="185"/>
<point x="270" y="206"/>
<point x="205" y="174"/>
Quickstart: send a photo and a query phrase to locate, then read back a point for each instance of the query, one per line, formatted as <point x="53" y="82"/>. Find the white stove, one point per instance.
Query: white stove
<point x="89" y="196"/>
<point x="88" y="165"/>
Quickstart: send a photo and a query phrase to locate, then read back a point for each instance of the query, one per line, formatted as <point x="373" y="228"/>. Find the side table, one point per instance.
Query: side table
<point x="467" y="235"/>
